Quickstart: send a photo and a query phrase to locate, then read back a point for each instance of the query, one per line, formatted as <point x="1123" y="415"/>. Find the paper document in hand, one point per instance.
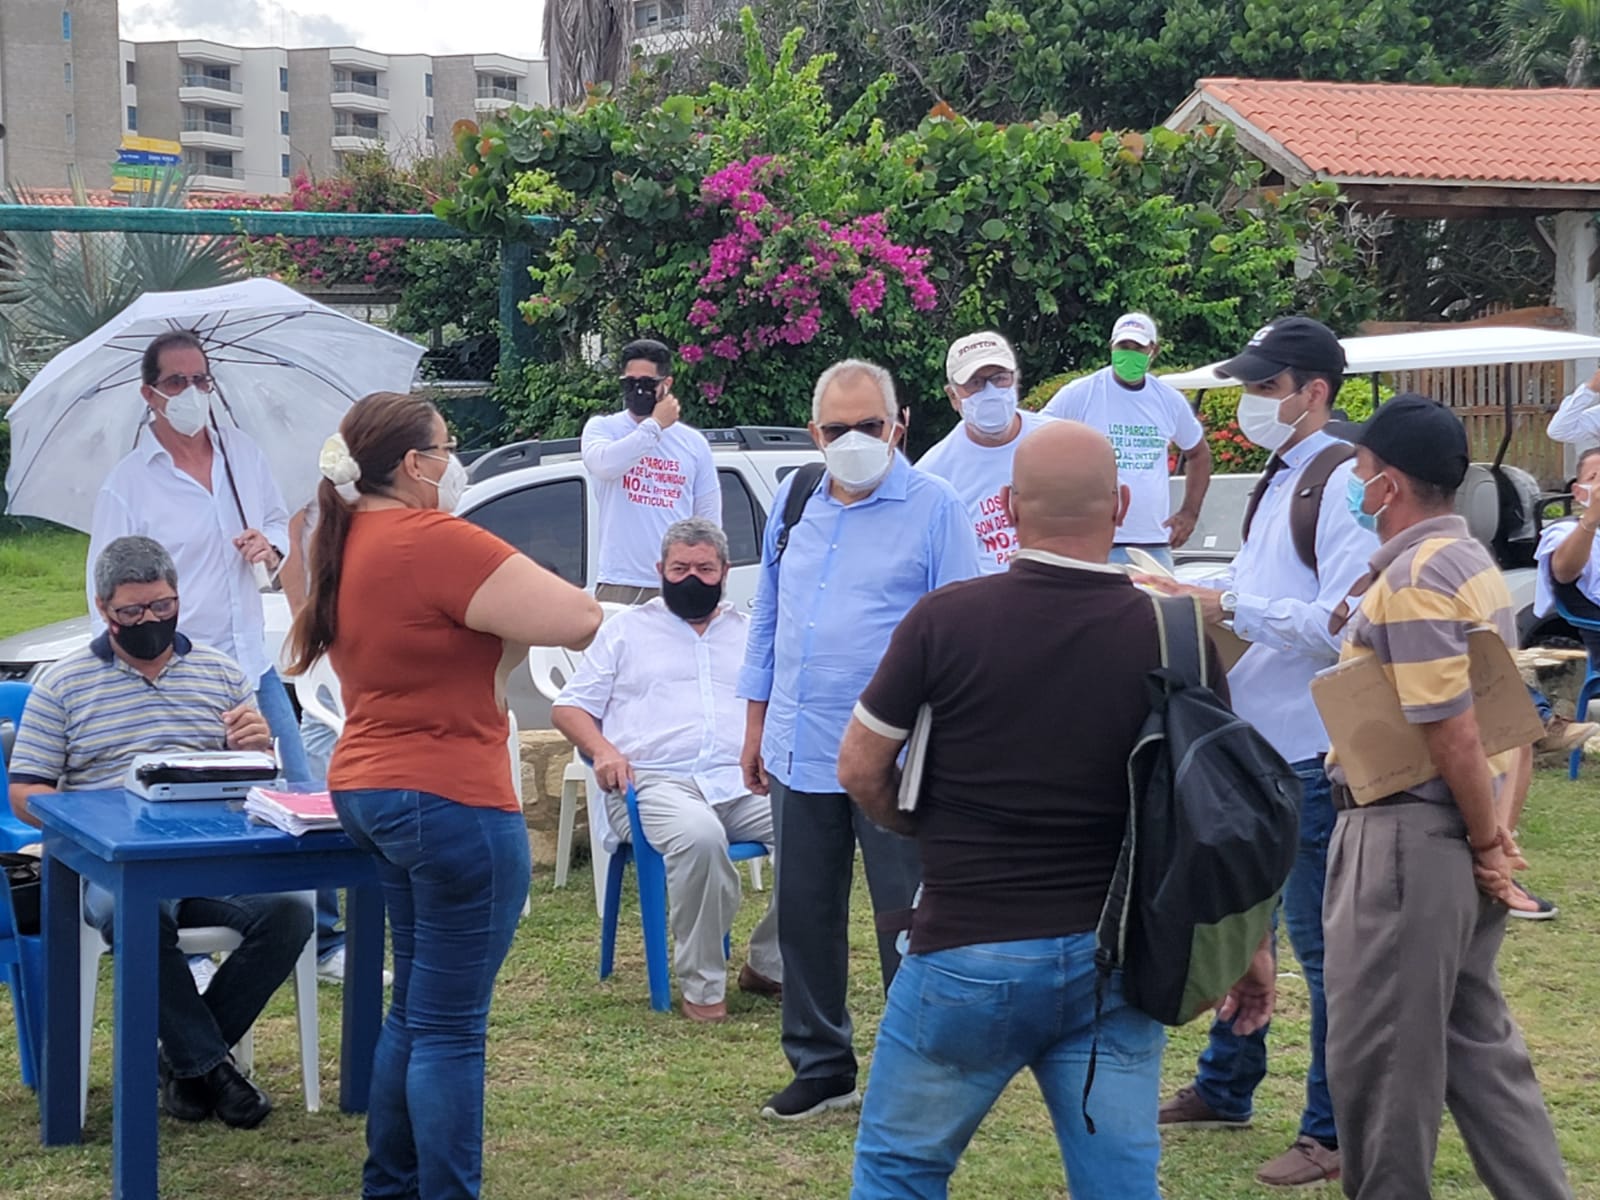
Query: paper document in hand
<point x="916" y="760"/>
<point x="1230" y="646"/>
<point x="1381" y="753"/>
<point x="292" y="812"/>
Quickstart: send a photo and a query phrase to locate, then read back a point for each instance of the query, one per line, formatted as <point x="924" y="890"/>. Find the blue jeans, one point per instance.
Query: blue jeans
<point x="1232" y="1067"/>
<point x="197" y="1032"/>
<point x="273" y="700"/>
<point x="1541" y="703"/>
<point x="1162" y="554"/>
<point x="454" y="878"/>
<point x="958" y="1027"/>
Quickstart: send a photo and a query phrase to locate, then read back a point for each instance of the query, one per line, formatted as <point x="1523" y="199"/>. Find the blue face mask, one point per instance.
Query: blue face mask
<point x="1355" y="497"/>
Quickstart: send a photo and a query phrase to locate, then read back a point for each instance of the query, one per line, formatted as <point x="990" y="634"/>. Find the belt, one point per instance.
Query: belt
<point x="1344" y="799"/>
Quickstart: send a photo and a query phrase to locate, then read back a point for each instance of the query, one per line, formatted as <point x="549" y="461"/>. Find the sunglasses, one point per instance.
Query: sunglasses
<point x="834" y="430"/>
<point x="173" y="384"/>
<point x="132" y="614"/>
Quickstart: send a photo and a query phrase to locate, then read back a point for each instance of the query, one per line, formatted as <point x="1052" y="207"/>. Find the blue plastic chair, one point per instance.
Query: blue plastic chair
<point x="652" y="872"/>
<point x="14" y="832"/>
<point x="23" y="961"/>
<point x="1591" y="681"/>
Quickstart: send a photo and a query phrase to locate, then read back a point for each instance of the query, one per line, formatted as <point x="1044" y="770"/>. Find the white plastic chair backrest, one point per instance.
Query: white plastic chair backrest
<point x="514" y="744"/>
<point x="318" y="692"/>
<point x="552" y="667"/>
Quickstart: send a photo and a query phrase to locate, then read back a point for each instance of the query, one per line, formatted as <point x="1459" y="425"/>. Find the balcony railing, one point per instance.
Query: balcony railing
<point x="487" y="92"/>
<point x="350" y="86"/>
<point x="199" y="125"/>
<point x="214" y="170"/>
<point x="213" y="82"/>
<point x="346" y="129"/>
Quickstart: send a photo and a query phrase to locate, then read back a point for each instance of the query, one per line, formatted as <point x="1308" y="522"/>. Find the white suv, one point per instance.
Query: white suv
<point x="537" y="496"/>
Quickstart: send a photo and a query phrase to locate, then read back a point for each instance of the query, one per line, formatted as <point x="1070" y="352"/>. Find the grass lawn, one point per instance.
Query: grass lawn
<point x="593" y="1095"/>
<point x="41" y="578"/>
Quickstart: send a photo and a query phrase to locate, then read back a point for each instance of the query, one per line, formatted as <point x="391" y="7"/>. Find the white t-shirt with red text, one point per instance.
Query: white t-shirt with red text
<point x="978" y="473"/>
<point x="1140" y="423"/>
<point x="645" y="478"/>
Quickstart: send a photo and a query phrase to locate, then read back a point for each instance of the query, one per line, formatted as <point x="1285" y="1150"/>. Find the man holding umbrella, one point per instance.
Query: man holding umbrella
<point x="207" y="494"/>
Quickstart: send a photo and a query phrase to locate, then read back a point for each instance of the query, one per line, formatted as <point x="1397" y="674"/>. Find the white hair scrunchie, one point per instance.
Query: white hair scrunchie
<point x="339" y="467"/>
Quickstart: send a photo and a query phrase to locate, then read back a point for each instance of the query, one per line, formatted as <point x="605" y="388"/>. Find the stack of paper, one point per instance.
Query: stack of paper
<point x="292" y="812"/>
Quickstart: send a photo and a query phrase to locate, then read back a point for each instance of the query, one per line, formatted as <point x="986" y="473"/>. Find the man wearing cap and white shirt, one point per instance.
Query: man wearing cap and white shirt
<point x="1577" y="421"/>
<point x="649" y="469"/>
<point x="975" y="457"/>
<point x="1281" y="605"/>
<point x="1141" y="417"/>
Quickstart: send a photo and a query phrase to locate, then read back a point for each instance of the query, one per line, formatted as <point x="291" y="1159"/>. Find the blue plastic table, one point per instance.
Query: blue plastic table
<point x="143" y="853"/>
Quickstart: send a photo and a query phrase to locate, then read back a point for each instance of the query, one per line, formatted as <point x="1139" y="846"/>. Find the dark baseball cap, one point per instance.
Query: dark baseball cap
<point x="1419" y="437"/>
<point x="1297" y="343"/>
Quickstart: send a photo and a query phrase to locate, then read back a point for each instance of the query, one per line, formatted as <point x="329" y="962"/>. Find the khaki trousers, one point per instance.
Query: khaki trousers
<point x="703" y="890"/>
<point x="1416" y="1018"/>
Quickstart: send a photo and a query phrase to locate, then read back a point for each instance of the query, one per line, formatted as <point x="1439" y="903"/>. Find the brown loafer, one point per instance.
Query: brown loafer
<point x="757" y="984"/>
<point x="1305" y="1164"/>
<point x="706" y="1014"/>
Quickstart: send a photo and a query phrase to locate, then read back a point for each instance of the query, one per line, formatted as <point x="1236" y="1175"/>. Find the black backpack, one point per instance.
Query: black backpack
<point x="805" y="482"/>
<point x="1213" y="828"/>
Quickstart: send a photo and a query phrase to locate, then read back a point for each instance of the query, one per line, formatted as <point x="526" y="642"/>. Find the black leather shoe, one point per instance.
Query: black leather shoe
<point x="184" y="1099"/>
<point x="236" y="1100"/>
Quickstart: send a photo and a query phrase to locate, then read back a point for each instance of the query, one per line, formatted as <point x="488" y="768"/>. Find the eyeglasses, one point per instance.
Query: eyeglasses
<point x="132" y="614"/>
<point x="448" y="447"/>
<point x="834" y="430"/>
<point x="1000" y="379"/>
<point x="173" y="384"/>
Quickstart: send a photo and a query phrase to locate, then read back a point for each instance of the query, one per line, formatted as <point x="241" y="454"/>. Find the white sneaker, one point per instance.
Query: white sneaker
<point x="203" y="970"/>
<point x="330" y="969"/>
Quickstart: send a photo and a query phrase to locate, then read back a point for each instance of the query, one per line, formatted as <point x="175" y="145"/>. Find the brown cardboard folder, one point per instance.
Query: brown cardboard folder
<point x="1381" y="753"/>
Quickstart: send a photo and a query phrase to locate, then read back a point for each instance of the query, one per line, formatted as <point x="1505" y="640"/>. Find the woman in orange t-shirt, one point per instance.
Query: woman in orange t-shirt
<point x="422" y="616"/>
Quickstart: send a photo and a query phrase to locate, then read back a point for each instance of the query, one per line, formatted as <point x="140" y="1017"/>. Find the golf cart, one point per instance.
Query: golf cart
<point x="1503" y="505"/>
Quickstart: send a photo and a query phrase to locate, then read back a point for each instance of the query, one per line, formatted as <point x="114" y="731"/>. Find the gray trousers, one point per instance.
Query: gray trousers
<point x="1416" y="1018"/>
<point x="814" y="869"/>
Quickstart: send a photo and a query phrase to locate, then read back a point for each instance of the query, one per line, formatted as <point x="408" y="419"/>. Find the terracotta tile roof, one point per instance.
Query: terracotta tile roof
<point x="63" y="198"/>
<point x="1546" y="136"/>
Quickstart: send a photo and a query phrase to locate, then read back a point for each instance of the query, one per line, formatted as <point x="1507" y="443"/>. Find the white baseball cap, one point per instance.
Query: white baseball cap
<point x="1134" y="327"/>
<point x="987" y="349"/>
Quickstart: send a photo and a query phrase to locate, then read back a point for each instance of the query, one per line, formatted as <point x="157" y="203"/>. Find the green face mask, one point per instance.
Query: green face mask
<point x="1130" y="366"/>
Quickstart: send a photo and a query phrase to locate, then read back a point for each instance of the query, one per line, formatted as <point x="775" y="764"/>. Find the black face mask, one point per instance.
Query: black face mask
<point x="639" y="394"/>
<point x="691" y="598"/>
<point x="148" y="640"/>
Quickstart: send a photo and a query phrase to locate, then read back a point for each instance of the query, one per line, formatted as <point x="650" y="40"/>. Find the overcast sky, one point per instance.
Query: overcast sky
<point x="388" y="26"/>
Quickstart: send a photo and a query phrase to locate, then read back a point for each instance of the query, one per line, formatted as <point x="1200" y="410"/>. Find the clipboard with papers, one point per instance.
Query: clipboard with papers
<point x="1381" y="753"/>
<point x="916" y="761"/>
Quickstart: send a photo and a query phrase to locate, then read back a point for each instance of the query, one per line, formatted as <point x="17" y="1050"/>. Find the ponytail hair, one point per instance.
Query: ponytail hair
<point x="379" y="431"/>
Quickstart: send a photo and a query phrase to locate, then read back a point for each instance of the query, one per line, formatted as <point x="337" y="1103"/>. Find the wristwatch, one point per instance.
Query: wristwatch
<point x="1229" y="602"/>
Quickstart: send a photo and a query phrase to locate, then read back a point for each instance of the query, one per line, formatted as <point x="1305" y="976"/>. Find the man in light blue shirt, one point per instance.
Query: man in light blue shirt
<point x="1279" y="594"/>
<point x="874" y="538"/>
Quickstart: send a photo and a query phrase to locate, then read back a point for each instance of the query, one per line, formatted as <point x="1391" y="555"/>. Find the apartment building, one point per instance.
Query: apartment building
<point x="248" y="118"/>
<point x="58" y="95"/>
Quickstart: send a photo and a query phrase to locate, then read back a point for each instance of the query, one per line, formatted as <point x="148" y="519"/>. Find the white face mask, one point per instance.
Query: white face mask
<point x="187" y="411"/>
<point x="1582" y="493"/>
<point x="1258" y="420"/>
<point x="990" y="410"/>
<point x="451" y="485"/>
<point x="858" y="461"/>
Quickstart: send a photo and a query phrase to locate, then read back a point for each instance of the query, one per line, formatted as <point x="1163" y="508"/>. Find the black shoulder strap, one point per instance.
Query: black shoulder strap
<point x="1306" y="506"/>
<point x="805" y="482"/>
<point x="1183" y="638"/>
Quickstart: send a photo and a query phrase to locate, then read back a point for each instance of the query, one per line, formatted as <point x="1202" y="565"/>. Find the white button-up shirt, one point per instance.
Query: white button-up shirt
<point x="147" y="495"/>
<point x="1577" y="421"/>
<point x="1284" y="606"/>
<point x="665" y="696"/>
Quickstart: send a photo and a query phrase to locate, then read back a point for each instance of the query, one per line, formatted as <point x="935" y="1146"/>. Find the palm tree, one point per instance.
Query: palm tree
<point x="587" y="42"/>
<point x="1551" y="42"/>
<point x="58" y="288"/>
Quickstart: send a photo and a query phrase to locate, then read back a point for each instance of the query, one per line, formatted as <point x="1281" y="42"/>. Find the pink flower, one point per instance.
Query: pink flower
<point x="712" y="391"/>
<point x="725" y="347"/>
<point x="691" y="354"/>
<point x="868" y="293"/>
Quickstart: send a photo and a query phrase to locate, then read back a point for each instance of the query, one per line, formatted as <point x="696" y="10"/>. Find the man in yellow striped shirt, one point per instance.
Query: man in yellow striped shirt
<point x="1419" y="882"/>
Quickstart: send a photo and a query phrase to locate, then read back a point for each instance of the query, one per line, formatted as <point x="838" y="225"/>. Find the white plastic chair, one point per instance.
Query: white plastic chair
<point x="210" y="939"/>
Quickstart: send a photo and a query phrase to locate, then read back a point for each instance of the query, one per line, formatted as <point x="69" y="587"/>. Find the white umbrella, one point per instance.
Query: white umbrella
<point x="286" y="368"/>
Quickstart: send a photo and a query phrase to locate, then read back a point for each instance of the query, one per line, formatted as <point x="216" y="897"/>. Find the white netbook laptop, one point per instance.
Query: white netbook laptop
<point x="200" y="775"/>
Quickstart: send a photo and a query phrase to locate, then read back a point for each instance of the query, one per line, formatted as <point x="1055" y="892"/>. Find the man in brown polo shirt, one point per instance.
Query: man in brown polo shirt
<point x="1037" y="681"/>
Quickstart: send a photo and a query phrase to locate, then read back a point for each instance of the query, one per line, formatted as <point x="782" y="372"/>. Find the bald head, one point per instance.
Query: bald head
<point x="1064" y="489"/>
